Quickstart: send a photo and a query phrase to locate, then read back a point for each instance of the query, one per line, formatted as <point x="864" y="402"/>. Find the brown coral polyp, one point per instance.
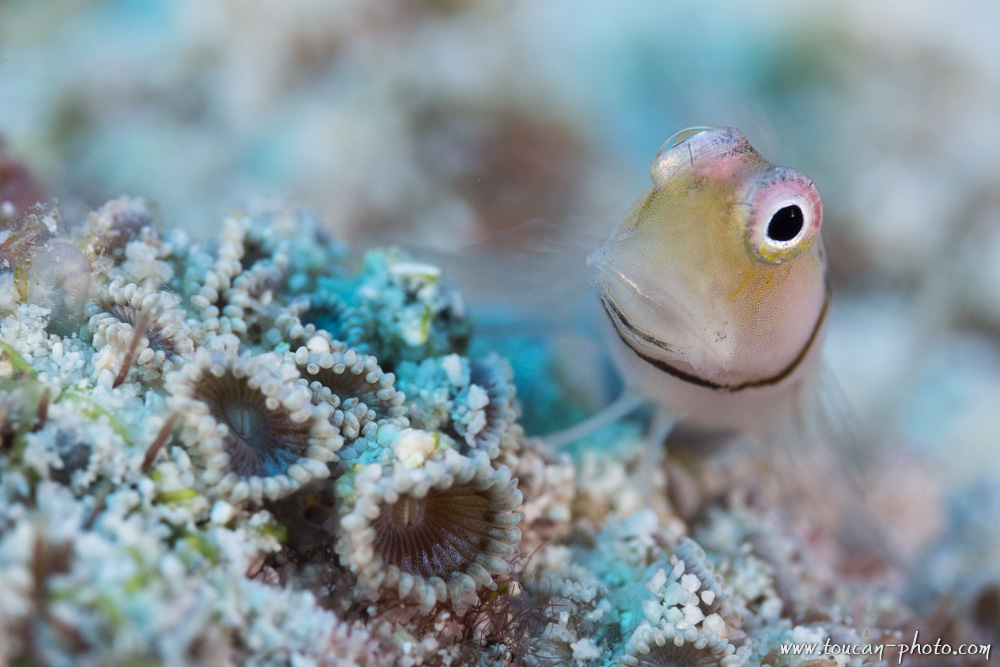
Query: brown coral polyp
<point x="667" y="645"/>
<point x="252" y="427"/>
<point x="258" y="442"/>
<point x="446" y="531"/>
<point x="431" y="534"/>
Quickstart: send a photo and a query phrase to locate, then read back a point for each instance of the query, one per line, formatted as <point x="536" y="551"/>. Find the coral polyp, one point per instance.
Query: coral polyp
<point x="327" y="315"/>
<point x="490" y="426"/>
<point x="472" y="401"/>
<point x="354" y="386"/>
<point x="125" y="317"/>
<point x="109" y="229"/>
<point x="414" y="534"/>
<point x="434" y="533"/>
<point x="255" y="431"/>
<point x="668" y="646"/>
<point x="416" y="314"/>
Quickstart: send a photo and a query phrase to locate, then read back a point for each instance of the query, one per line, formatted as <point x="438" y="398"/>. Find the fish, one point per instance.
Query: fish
<point x="715" y="293"/>
<point x="715" y="297"/>
<point x="714" y="286"/>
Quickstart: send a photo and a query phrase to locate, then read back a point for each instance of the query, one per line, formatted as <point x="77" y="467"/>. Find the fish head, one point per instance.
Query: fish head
<point x="718" y="270"/>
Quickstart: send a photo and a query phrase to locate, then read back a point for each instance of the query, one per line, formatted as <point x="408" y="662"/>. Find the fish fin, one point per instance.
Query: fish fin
<point x="536" y="270"/>
<point x="626" y="403"/>
<point x="526" y="291"/>
<point x="822" y="462"/>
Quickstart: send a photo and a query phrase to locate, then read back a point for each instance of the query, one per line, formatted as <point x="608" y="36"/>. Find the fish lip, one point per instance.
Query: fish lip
<point x="681" y="340"/>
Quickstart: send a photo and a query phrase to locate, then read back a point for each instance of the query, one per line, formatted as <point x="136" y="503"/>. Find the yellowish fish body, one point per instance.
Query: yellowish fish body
<point x="715" y="284"/>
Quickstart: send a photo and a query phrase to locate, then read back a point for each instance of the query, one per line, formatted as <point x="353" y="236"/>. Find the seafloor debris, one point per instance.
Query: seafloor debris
<point x="244" y="451"/>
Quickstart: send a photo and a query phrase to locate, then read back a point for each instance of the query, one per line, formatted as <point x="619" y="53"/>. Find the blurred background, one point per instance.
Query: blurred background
<point x="445" y="122"/>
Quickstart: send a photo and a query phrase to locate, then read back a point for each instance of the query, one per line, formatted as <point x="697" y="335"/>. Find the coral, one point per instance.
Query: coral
<point x="281" y="233"/>
<point x="122" y="244"/>
<point x="213" y="288"/>
<point x="548" y="482"/>
<point x="287" y="459"/>
<point x="415" y="314"/>
<point x="473" y="401"/>
<point x="714" y="598"/>
<point x="256" y="431"/>
<point x="85" y="587"/>
<point x="667" y="646"/>
<point x="73" y="450"/>
<point x="352" y="384"/>
<point x="431" y="533"/>
<point x="326" y="314"/>
<point x="107" y="231"/>
<point x="309" y="515"/>
<point x="134" y="325"/>
<point x="487" y="422"/>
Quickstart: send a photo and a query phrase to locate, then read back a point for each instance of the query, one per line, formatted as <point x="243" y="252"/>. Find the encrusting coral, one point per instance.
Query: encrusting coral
<point x="666" y="646"/>
<point x="324" y="314"/>
<point x="294" y="462"/>
<point x="416" y="314"/>
<point x="221" y="303"/>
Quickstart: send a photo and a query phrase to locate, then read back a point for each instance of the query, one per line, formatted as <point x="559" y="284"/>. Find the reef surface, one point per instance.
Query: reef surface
<point x="267" y="449"/>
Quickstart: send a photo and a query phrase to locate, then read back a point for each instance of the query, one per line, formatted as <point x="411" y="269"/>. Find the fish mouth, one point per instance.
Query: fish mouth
<point x="662" y="328"/>
<point x="629" y="333"/>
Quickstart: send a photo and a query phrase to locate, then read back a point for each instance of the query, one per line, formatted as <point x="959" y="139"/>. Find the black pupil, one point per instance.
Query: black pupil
<point x="785" y="224"/>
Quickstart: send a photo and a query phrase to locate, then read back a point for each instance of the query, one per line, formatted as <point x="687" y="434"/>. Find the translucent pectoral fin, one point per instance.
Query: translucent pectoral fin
<point x="621" y="407"/>
<point x="819" y="468"/>
<point x="536" y="269"/>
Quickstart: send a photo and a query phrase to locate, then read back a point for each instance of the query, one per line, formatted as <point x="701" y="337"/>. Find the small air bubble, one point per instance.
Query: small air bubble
<point x="680" y="136"/>
<point x="674" y="140"/>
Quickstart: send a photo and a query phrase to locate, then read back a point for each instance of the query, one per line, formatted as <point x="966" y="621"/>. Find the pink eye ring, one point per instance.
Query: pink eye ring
<point x="785" y="215"/>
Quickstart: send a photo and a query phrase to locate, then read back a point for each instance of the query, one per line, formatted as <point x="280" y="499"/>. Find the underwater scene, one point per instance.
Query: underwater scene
<point x="481" y="332"/>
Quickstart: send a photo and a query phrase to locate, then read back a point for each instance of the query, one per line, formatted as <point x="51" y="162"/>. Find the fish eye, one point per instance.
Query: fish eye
<point x="784" y="216"/>
<point x="785" y="224"/>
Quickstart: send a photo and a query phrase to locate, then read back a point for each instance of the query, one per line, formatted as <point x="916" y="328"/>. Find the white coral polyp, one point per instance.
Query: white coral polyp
<point x="250" y="425"/>
<point x="362" y="397"/>
<point x="431" y="534"/>
<point x="165" y="342"/>
<point x="667" y="645"/>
